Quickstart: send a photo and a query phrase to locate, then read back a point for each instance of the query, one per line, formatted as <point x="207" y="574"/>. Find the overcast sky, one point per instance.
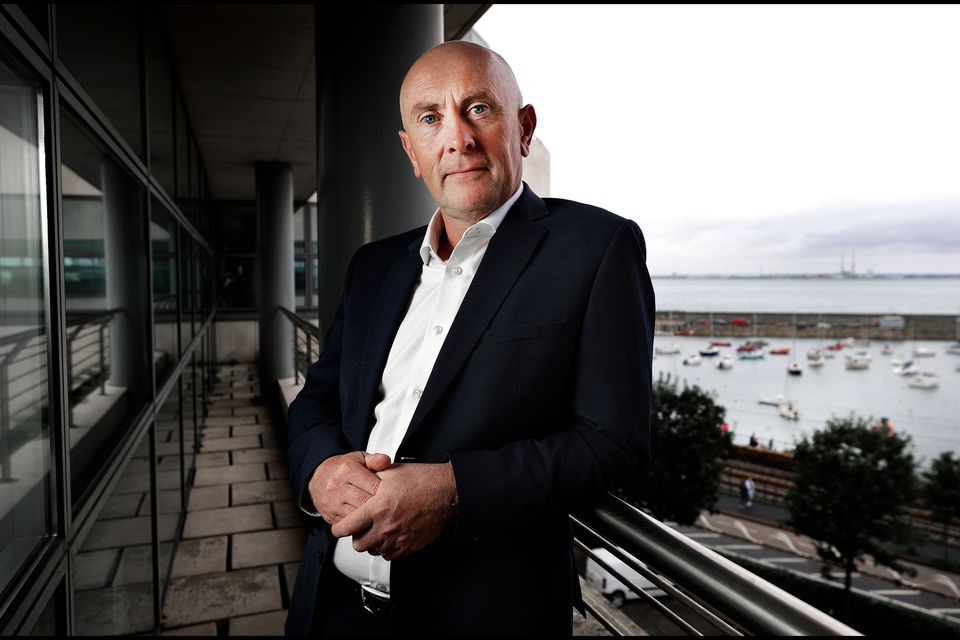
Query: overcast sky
<point x="749" y="138"/>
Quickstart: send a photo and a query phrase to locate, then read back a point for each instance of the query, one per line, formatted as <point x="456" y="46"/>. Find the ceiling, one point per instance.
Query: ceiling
<point x="248" y="78"/>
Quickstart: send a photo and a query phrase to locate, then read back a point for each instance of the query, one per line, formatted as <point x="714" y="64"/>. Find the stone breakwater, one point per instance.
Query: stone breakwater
<point x="808" y="325"/>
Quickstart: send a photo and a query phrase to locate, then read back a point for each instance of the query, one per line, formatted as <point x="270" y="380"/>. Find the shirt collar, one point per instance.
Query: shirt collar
<point x="485" y="227"/>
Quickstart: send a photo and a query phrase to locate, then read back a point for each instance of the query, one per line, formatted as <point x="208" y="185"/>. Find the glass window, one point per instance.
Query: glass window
<point x="186" y="282"/>
<point x="314" y="248"/>
<point x="197" y="286"/>
<point x="105" y="275"/>
<point x="114" y="580"/>
<point x="37" y="15"/>
<point x="183" y="155"/>
<point x="26" y="491"/>
<point x="163" y="240"/>
<point x="52" y="620"/>
<point x="159" y="101"/>
<point x="299" y="257"/>
<point x="99" y="43"/>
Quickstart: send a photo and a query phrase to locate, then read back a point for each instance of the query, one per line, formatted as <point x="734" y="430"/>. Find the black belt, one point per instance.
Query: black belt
<point x="375" y="604"/>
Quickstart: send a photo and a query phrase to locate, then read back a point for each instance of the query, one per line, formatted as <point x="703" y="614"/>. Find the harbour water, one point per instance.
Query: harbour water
<point x="806" y="295"/>
<point x="930" y="416"/>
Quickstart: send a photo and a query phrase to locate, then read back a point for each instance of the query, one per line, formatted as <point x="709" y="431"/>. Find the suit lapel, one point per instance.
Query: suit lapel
<point x="388" y="313"/>
<point x="507" y="254"/>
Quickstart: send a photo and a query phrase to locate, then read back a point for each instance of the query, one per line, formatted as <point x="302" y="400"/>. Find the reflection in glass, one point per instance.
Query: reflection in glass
<point x="26" y="493"/>
<point x="105" y="276"/>
<point x="163" y="240"/>
<point x="186" y="297"/>
<point x="170" y="466"/>
<point x="52" y="620"/>
<point x="299" y="258"/>
<point x="114" y="582"/>
<point x="99" y="44"/>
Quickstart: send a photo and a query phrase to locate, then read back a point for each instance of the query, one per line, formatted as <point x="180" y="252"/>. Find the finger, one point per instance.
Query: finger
<point x="355" y="523"/>
<point x="367" y="541"/>
<point x="376" y="461"/>
<point x="352" y="497"/>
<point x="361" y="477"/>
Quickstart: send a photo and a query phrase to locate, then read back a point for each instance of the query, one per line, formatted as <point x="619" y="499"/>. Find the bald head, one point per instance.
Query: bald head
<point x="444" y="62"/>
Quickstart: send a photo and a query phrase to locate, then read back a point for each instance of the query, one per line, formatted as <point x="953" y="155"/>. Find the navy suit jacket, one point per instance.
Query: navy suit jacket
<point x="540" y="399"/>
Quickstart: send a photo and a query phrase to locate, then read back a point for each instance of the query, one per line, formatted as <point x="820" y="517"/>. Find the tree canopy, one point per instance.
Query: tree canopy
<point x="853" y="483"/>
<point x="689" y="451"/>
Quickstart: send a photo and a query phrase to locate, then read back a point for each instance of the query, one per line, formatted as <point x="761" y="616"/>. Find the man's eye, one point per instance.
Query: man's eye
<point x="478" y="109"/>
<point x="429" y="119"/>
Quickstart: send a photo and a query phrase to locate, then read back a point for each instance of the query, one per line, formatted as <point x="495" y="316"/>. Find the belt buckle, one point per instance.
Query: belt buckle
<point x="372" y="603"/>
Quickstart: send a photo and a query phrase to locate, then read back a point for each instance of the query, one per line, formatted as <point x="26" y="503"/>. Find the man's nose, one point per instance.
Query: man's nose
<point x="459" y="135"/>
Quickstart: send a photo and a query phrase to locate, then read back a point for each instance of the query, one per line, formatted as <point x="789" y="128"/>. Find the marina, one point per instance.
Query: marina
<point x="761" y="397"/>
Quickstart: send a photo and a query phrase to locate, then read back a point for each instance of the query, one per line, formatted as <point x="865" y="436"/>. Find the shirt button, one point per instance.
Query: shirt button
<point x="417" y="393"/>
<point x="438" y="330"/>
<point x="456" y="271"/>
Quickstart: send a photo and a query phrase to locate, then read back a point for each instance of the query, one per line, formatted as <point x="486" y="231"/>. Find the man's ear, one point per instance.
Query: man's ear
<point x="528" y="122"/>
<point x="409" y="149"/>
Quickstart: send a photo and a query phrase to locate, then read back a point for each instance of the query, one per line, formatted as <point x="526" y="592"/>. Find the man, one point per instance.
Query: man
<point x="484" y="376"/>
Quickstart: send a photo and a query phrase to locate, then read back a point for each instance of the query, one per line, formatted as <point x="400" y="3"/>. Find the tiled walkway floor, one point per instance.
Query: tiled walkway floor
<point x="242" y="539"/>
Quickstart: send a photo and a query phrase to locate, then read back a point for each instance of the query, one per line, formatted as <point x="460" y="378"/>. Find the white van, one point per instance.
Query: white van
<point x="615" y="591"/>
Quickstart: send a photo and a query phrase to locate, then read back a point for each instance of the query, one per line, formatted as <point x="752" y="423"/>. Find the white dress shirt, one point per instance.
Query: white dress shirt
<point x="433" y="307"/>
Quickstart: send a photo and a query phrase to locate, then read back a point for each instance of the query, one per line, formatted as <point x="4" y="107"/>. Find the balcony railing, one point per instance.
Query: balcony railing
<point x="714" y="592"/>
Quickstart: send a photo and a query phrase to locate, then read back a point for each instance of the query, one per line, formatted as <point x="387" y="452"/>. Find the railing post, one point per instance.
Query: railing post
<point x="296" y="369"/>
<point x="103" y="374"/>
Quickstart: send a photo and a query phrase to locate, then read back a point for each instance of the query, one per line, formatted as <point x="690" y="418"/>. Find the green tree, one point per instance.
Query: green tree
<point x="941" y="493"/>
<point x="689" y="451"/>
<point x="853" y="483"/>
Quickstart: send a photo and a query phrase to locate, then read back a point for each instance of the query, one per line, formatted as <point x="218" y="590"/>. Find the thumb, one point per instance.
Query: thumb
<point x="376" y="461"/>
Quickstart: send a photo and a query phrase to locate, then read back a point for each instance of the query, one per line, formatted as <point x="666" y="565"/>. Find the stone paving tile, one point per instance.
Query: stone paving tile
<point x="116" y="611"/>
<point x="286" y="515"/>
<point x="206" y="629"/>
<point x="245" y="456"/>
<point x="215" y="412"/>
<point x="95" y="568"/>
<point x="261" y="624"/>
<point x="216" y="459"/>
<point x="212" y="497"/>
<point x="253" y="429"/>
<point x="121" y="506"/>
<point x="218" y="596"/>
<point x="257" y="492"/>
<point x="227" y="444"/>
<point x="140" y="482"/>
<point x="242" y="402"/>
<point x="252" y="410"/>
<point x="290" y="570"/>
<point x="267" y="547"/>
<point x="277" y="471"/>
<point x="229" y="475"/>
<point x="244" y="395"/>
<point x="136" y="564"/>
<point x="197" y="557"/>
<point x="215" y="432"/>
<point x="212" y="522"/>
<point x="128" y="531"/>
<point x="169" y="500"/>
<point x="172" y="462"/>
<point x="230" y="421"/>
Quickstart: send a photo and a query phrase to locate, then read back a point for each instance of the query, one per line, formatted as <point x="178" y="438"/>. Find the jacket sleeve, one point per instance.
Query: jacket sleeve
<point x="314" y="418"/>
<point x="607" y="438"/>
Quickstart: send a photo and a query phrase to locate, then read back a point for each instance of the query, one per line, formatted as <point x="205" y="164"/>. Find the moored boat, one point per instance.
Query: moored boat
<point x="926" y="380"/>
<point x="693" y="360"/>
<point x="710" y="351"/>
<point x="794" y="368"/>
<point x="725" y="363"/>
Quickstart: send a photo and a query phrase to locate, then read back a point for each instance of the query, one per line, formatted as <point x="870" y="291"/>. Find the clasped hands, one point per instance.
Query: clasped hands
<point x="391" y="510"/>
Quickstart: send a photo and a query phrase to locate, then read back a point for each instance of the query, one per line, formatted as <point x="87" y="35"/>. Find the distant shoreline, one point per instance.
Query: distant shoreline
<point x="812" y="276"/>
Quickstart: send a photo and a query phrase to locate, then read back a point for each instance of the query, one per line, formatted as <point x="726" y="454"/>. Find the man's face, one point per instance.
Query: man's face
<point x="465" y="132"/>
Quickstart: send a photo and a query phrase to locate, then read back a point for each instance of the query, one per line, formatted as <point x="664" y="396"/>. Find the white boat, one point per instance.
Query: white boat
<point x="668" y="349"/>
<point x="756" y="354"/>
<point x="775" y="401"/>
<point x="794" y="368"/>
<point x="908" y="368"/>
<point x="827" y="354"/>
<point x="923" y="352"/>
<point x="816" y="362"/>
<point x="788" y="411"/>
<point x="725" y="362"/>
<point x="710" y="351"/>
<point x="856" y="362"/>
<point x="693" y="360"/>
<point x="954" y="348"/>
<point x="886" y="350"/>
<point x="926" y="380"/>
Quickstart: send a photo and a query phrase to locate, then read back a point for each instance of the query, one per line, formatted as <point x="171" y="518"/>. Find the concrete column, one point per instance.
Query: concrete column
<point x="125" y="257"/>
<point x="366" y="187"/>
<point x="274" y="181"/>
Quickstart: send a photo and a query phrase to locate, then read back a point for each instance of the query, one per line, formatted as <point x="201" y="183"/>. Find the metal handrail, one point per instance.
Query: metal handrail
<point x="311" y="332"/>
<point x="724" y="592"/>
